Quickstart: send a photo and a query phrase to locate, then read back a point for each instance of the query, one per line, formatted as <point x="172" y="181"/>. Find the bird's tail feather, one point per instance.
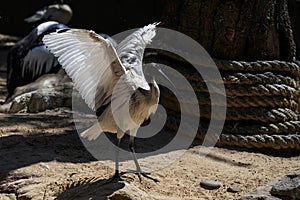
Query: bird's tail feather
<point x="92" y="133"/>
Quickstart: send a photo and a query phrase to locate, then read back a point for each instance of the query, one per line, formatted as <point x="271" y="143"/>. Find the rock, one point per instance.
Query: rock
<point x="50" y="98"/>
<point x="42" y="99"/>
<point x="4" y="108"/>
<point x="260" y="193"/>
<point x="8" y="197"/>
<point x="234" y="189"/>
<point x="128" y="192"/>
<point x="210" y="185"/>
<point x="50" y="91"/>
<point x="19" y="103"/>
<point x="288" y="186"/>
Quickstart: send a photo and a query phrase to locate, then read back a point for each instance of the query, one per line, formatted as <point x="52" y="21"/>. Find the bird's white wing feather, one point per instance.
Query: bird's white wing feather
<point x="90" y="61"/>
<point x="131" y="52"/>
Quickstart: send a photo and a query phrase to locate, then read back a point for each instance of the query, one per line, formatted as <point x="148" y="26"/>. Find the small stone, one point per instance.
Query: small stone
<point x="210" y="185"/>
<point x="234" y="189"/>
<point x="45" y="166"/>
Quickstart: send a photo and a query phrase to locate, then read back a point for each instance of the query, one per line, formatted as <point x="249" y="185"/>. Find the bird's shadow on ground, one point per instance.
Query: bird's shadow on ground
<point x="90" y="189"/>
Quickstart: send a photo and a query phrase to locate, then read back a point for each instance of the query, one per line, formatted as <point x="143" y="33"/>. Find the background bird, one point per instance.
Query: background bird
<point x="58" y="11"/>
<point x="110" y="80"/>
<point x="29" y="59"/>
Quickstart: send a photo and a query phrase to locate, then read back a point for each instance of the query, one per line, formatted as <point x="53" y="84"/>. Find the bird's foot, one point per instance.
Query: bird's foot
<point x="146" y="175"/>
<point x="116" y="178"/>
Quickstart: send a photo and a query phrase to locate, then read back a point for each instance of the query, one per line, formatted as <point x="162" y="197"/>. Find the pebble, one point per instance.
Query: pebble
<point x="234" y="189"/>
<point x="45" y="166"/>
<point x="210" y="185"/>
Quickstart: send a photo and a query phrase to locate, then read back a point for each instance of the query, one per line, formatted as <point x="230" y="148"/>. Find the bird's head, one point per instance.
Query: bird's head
<point x="151" y="95"/>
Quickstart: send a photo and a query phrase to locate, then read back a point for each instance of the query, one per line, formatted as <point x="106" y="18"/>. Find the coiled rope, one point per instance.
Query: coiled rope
<point x="291" y="141"/>
<point x="262" y="101"/>
<point x="281" y="67"/>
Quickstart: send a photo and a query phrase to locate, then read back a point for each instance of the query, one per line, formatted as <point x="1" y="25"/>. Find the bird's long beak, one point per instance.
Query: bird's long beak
<point x="166" y="77"/>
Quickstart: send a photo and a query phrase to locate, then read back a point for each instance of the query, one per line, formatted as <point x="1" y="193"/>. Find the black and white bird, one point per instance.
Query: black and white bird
<point x="58" y="11"/>
<point x="29" y="59"/>
<point x="110" y="80"/>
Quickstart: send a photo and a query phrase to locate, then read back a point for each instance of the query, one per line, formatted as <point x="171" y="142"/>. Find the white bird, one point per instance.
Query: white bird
<point x="110" y="80"/>
<point x="59" y="12"/>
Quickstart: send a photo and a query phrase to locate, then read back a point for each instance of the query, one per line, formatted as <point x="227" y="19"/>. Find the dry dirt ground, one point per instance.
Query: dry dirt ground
<point x="42" y="157"/>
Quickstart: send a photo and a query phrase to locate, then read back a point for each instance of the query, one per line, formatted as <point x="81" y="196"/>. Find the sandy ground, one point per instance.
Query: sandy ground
<point x="42" y="157"/>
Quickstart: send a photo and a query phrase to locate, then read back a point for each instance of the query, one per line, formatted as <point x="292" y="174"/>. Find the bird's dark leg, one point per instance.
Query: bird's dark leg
<point x="138" y="168"/>
<point x="117" y="173"/>
<point x="117" y="176"/>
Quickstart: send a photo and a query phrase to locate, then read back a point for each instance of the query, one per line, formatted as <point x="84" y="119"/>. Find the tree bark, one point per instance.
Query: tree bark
<point x="236" y="29"/>
<point x="294" y="11"/>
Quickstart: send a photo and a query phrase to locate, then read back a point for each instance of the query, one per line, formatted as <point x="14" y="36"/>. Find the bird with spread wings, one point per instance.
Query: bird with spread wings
<point x="110" y="80"/>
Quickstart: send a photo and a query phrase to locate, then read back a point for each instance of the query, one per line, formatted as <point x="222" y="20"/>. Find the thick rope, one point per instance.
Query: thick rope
<point x="255" y="114"/>
<point x="262" y="101"/>
<point x="262" y="90"/>
<point x="260" y="115"/>
<point x="236" y="101"/>
<point x="273" y="89"/>
<point x="261" y="141"/>
<point x="237" y="79"/>
<point x="259" y="66"/>
<point x="265" y="78"/>
<point x="270" y="129"/>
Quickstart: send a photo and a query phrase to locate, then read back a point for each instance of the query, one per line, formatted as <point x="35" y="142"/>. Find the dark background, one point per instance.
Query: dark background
<point x="238" y="30"/>
<point x="108" y="17"/>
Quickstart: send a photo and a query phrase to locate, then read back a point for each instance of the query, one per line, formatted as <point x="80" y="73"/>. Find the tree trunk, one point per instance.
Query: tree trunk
<point x="294" y="11"/>
<point x="240" y="30"/>
<point x="262" y="93"/>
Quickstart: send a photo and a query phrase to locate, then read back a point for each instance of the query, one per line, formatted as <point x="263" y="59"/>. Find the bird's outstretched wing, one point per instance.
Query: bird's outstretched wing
<point x="131" y="52"/>
<point x="90" y="61"/>
<point x="37" y="62"/>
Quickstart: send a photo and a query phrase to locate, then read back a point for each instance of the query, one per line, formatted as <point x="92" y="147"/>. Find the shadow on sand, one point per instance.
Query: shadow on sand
<point x="21" y="150"/>
<point x="91" y="190"/>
